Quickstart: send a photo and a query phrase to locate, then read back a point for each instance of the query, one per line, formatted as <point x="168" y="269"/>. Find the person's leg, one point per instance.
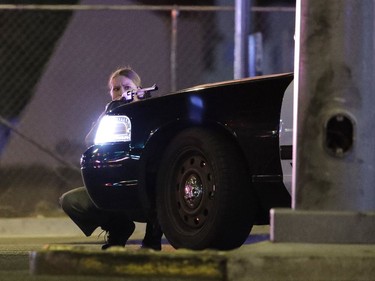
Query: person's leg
<point x="78" y="206"/>
<point x="153" y="235"/>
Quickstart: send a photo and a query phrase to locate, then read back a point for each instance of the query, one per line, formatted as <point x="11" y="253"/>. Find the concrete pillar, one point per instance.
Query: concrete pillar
<point x="334" y="126"/>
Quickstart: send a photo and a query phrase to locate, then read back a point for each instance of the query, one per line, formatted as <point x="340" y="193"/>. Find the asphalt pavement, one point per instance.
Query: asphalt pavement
<point x="55" y="249"/>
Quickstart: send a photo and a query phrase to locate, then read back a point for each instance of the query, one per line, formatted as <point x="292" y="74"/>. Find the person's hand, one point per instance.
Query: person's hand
<point x="140" y="94"/>
<point x="128" y="95"/>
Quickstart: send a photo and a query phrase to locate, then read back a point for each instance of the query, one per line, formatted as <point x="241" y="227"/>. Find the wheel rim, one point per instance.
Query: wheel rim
<point x="195" y="191"/>
<point x="192" y="191"/>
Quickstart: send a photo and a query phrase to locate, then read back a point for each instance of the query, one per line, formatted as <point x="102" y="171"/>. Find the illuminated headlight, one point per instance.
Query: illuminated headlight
<point x="113" y="129"/>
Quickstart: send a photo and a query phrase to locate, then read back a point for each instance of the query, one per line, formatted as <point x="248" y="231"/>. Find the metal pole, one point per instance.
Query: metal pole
<point x="242" y="19"/>
<point x="334" y="140"/>
<point x="174" y="18"/>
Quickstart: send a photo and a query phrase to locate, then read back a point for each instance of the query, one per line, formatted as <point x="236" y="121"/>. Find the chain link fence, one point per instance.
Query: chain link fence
<point x="54" y="66"/>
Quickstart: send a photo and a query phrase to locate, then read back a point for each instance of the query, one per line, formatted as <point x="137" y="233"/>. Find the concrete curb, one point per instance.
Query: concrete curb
<point x="260" y="261"/>
<point x="302" y="261"/>
<point x="151" y="265"/>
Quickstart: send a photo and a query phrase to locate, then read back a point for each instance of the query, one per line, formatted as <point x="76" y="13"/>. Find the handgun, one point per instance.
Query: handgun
<point x="129" y="95"/>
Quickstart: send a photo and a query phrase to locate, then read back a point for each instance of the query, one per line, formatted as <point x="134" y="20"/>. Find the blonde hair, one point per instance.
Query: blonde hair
<point x="127" y="72"/>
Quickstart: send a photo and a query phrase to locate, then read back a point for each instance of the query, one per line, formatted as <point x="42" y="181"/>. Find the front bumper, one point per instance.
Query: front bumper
<point x="110" y="174"/>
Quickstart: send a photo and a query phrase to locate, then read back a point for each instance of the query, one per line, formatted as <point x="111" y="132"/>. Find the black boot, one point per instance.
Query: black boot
<point x="152" y="239"/>
<point x="118" y="235"/>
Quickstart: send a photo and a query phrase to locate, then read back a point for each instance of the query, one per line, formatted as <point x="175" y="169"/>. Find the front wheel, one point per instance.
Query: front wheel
<point x="204" y="196"/>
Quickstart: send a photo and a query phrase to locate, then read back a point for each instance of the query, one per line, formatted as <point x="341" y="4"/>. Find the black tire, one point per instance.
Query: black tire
<point x="204" y="196"/>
